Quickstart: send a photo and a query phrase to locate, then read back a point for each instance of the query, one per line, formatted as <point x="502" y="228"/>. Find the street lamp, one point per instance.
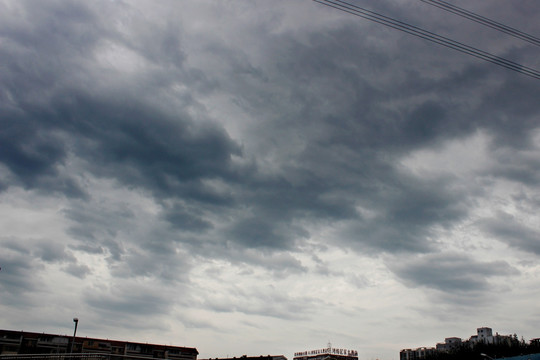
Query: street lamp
<point x="76" y="321"/>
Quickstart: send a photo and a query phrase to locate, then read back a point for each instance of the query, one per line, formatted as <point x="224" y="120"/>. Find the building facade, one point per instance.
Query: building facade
<point x="449" y="344"/>
<point x="328" y="353"/>
<point x="416" y="354"/>
<point x="20" y="342"/>
<point x="245" y="357"/>
<point x="483" y="335"/>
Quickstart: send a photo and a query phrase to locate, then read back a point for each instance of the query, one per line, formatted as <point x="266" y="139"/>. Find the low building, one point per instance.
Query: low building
<point x="449" y="344"/>
<point x="485" y="335"/>
<point x="21" y="342"/>
<point x="245" y="357"/>
<point x="415" y="354"/>
<point x="328" y="353"/>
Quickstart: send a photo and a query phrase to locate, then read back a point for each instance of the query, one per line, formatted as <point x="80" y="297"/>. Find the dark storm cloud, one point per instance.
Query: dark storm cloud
<point x="169" y="266"/>
<point x="164" y="158"/>
<point x="19" y="273"/>
<point x="405" y="214"/>
<point x="109" y="130"/>
<point x="50" y="251"/>
<point x="110" y="230"/>
<point x="182" y="219"/>
<point x="279" y="263"/>
<point x="450" y="272"/>
<point x="517" y="162"/>
<point x="353" y="134"/>
<point x="77" y="270"/>
<point x="265" y="232"/>
<point x="510" y="230"/>
<point x="263" y="302"/>
<point x="117" y="141"/>
<point x="23" y="260"/>
<point x="332" y="113"/>
<point x="122" y="304"/>
<point x="96" y="227"/>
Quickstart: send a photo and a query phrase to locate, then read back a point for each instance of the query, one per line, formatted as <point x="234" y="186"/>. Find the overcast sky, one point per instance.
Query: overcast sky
<point x="266" y="176"/>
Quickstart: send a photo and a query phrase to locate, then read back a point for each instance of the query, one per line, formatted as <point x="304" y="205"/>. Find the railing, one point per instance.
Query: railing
<point x="80" y="356"/>
<point x="63" y="356"/>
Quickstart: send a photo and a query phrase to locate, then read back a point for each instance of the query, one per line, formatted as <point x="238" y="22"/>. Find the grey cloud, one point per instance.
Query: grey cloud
<point x="20" y="273"/>
<point x="186" y="219"/>
<point x="24" y="262"/>
<point x="95" y="228"/>
<point x="78" y="270"/>
<point x="140" y="299"/>
<point x="50" y="251"/>
<point x="105" y="131"/>
<point x="178" y="135"/>
<point x="168" y="267"/>
<point x="359" y="281"/>
<point x="192" y="322"/>
<point x="280" y="263"/>
<point x="326" y="129"/>
<point x="348" y="138"/>
<point x="263" y="302"/>
<point x="451" y="273"/>
<point x="403" y="214"/>
<point x="521" y="104"/>
<point x="133" y="249"/>
<point x="260" y="232"/>
<point x="519" y="164"/>
<point x="167" y="158"/>
<point x="511" y="231"/>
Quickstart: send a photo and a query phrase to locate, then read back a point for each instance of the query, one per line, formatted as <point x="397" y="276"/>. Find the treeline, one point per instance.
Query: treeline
<point x="512" y="347"/>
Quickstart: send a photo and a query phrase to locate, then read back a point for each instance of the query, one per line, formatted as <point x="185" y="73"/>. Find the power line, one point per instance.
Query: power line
<point x="427" y="35"/>
<point x="430" y="36"/>
<point x="484" y="21"/>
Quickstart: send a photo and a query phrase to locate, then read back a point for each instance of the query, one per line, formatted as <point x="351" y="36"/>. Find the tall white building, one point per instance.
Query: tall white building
<point x="485" y="335"/>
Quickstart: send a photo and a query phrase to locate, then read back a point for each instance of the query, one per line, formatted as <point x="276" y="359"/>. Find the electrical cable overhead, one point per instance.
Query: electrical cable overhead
<point x="484" y="21"/>
<point x="430" y="36"/>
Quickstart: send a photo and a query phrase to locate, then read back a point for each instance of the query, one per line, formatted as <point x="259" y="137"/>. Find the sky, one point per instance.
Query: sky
<point x="264" y="177"/>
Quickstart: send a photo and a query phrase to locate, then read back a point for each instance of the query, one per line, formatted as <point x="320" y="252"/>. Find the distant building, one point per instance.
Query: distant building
<point x="328" y="353"/>
<point x="483" y="335"/>
<point x="415" y="354"/>
<point x="245" y="357"/>
<point x="20" y="342"/>
<point x="450" y="343"/>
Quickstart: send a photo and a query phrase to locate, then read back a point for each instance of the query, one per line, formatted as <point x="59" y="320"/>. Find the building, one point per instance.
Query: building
<point x="415" y="354"/>
<point x="449" y="344"/>
<point x="20" y="342"/>
<point x="328" y="353"/>
<point x="245" y="357"/>
<point x="483" y="335"/>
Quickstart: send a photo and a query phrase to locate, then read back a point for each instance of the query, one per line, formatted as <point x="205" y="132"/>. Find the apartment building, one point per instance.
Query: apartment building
<point x="21" y="342"/>
<point x="483" y="335"/>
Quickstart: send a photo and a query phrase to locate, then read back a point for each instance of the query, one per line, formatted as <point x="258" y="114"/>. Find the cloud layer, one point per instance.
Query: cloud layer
<point x="230" y="169"/>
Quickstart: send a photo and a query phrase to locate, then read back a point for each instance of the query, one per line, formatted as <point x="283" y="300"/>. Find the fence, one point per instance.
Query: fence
<point x="75" y="356"/>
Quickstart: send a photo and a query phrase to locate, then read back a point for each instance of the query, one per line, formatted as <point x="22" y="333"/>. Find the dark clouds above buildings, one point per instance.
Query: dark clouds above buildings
<point x="175" y="134"/>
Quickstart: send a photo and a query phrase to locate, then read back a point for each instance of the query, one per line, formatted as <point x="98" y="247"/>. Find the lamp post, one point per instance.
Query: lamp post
<point x="76" y="321"/>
